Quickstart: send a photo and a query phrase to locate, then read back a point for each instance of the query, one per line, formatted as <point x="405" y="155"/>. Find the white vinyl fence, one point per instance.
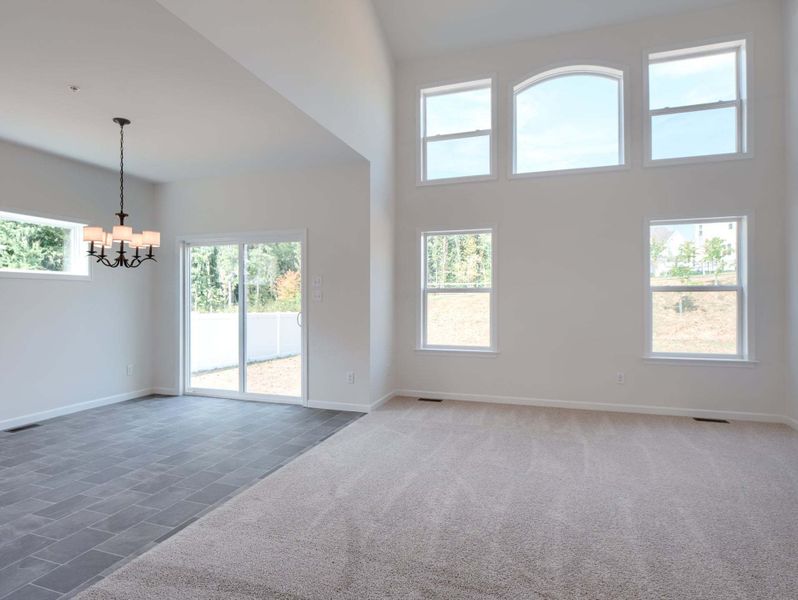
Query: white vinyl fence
<point x="214" y="338"/>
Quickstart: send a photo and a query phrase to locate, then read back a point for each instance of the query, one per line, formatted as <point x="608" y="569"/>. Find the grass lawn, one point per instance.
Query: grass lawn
<point x="458" y="319"/>
<point x="695" y="322"/>
<point x="707" y="322"/>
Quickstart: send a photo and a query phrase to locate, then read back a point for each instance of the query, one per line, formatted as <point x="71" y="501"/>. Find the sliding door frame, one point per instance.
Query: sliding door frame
<point x="185" y="243"/>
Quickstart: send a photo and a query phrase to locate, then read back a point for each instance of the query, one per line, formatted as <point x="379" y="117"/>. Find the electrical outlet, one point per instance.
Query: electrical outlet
<point x="129" y="370"/>
<point x="620" y="378"/>
<point x="317" y="281"/>
<point x="318" y="296"/>
<point x="350" y="377"/>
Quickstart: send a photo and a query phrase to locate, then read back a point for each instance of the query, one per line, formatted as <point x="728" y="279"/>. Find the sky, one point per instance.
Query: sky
<point x="573" y="121"/>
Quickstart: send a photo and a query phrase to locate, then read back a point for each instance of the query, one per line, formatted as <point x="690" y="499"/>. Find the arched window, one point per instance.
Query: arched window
<point x="568" y="118"/>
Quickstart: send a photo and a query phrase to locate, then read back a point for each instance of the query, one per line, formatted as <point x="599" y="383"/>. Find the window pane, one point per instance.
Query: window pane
<point x="214" y="317"/>
<point x="568" y="122"/>
<point x="26" y="246"/>
<point x="694" y="322"/>
<point x="458" y="319"/>
<point x="463" y="157"/>
<point x="694" y="254"/>
<point x="273" y="331"/>
<point x="458" y="112"/>
<point x="699" y="133"/>
<point x="696" y="80"/>
<point x="459" y="260"/>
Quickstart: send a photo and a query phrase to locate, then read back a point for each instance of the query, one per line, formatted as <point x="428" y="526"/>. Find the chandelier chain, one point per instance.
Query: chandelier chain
<point x="121" y="168"/>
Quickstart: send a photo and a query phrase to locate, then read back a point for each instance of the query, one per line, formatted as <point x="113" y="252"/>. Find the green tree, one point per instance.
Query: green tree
<point x="715" y="253"/>
<point x="214" y="276"/>
<point x="684" y="262"/>
<point x="656" y="250"/>
<point x="458" y="260"/>
<point x="32" y="247"/>
<point x="262" y="270"/>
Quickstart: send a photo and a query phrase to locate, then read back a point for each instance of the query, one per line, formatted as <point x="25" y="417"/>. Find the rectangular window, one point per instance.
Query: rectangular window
<point x="697" y="102"/>
<point x="36" y="246"/>
<point x="457" y="303"/>
<point x="697" y="289"/>
<point x="456" y="131"/>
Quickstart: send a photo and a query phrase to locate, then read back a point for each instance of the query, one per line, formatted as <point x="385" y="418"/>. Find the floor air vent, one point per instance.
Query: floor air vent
<point x="23" y="427"/>
<point x="429" y="400"/>
<point x="703" y="420"/>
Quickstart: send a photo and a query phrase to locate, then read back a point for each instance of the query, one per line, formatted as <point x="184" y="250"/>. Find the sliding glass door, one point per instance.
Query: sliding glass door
<point x="244" y="322"/>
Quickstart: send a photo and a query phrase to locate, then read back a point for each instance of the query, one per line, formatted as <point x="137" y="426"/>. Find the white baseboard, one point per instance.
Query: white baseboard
<point x="165" y="391"/>
<point x="347" y="406"/>
<point x="380" y="401"/>
<point x="71" y="408"/>
<point x="602" y="406"/>
<point x="351" y="406"/>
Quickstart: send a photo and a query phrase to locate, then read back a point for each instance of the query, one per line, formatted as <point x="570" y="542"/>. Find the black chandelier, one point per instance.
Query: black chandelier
<point x="140" y="242"/>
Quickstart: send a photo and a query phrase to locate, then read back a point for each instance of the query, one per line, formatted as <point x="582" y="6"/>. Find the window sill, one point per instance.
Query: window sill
<point x="692" y="160"/>
<point x="455" y="180"/>
<point x="575" y="171"/>
<point x="44" y="275"/>
<point x="700" y="362"/>
<point x="453" y="352"/>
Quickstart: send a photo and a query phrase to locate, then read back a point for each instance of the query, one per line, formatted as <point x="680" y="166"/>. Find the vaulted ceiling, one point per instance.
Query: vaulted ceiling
<point x="194" y="110"/>
<point x="417" y="28"/>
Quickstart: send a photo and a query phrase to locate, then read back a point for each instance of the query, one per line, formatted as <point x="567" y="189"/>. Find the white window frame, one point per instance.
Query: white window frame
<point x="438" y="89"/>
<point x="584" y="68"/>
<point x="183" y="247"/>
<point x="741" y="45"/>
<point x="744" y="352"/>
<point x="421" y="343"/>
<point x="81" y="267"/>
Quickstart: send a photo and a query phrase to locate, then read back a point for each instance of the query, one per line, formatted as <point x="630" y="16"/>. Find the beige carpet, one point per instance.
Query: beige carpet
<point x="463" y="500"/>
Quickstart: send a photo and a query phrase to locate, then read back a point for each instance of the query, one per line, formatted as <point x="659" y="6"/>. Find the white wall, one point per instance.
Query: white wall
<point x="68" y="342"/>
<point x="566" y="328"/>
<point x="332" y="203"/>
<point x="791" y="70"/>
<point x="331" y="60"/>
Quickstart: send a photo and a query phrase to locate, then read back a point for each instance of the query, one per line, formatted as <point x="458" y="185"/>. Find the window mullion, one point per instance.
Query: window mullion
<point x="696" y="288"/>
<point x="457" y="136"/>
<point x="687" y="54"/>
<point x="480" y="290"/>
<point x="672" y="110"/>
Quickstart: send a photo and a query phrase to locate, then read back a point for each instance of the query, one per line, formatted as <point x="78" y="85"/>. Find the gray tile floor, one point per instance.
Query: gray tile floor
<point x="82" y="494"/>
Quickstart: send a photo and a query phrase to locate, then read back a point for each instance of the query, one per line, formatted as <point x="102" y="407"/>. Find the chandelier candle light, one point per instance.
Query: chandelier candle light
<point x="97" y="238"/>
